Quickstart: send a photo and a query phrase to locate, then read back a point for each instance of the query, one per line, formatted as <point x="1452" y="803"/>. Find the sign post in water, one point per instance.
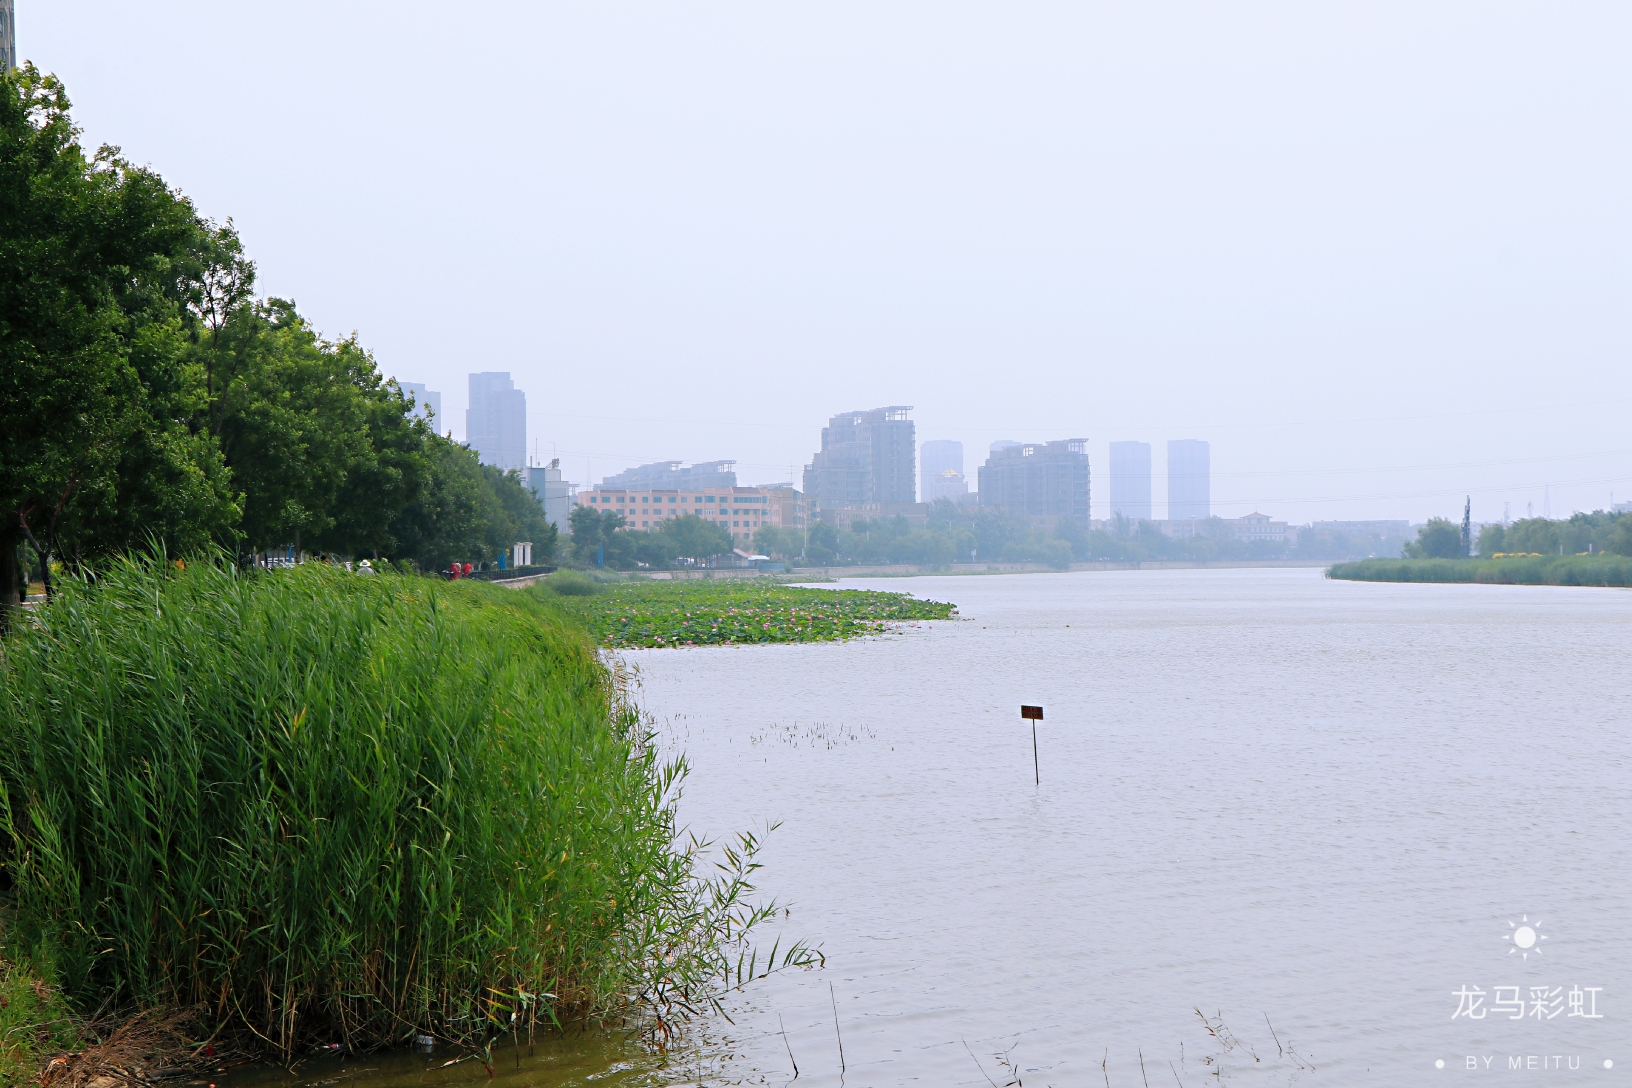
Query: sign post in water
<point x="1035" y="715"/>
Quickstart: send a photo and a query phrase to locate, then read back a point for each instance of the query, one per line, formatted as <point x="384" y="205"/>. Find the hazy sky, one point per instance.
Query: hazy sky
<point x="1378" y="255"/>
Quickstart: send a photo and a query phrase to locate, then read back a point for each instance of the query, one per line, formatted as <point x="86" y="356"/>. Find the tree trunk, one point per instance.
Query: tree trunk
<point x="13" y="590"/>
<point x="44" y="556"/>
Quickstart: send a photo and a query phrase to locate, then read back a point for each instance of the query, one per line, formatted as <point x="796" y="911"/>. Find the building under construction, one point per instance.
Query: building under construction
<point x="1038" y="480"/>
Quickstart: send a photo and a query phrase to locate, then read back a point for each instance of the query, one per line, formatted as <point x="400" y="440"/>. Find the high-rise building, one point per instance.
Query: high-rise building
<point x="554" y="493"/>
<point x="427" y="404"/>
<point x="935" y="458"/>
<point x="668" y="475"/>
<point x="1189" y="479"/>
<point x="866" y="457"/>
<point x="8" y="36"/>
<point x="1045" y="479"/>
<point x="496" y="421"/>
<point x="1130" y="480"/>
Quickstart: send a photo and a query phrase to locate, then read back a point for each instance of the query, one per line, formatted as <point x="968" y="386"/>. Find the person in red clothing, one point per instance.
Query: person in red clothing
<point x="468" y="569"/>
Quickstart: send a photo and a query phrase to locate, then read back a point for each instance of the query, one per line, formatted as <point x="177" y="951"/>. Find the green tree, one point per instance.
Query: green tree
<point x="1441" y="538"/>
<point x="691" y="537"/>
<point x="97" y="259"/>
<point x="321" y="446"/>
<point x="1532" y="535"/>
<point x="1618" y="537"/>
<point x="468" y="512"/>
<point x="596" y="537"/>
<point x="779" y="542"/>
<point x="824" y="543"/>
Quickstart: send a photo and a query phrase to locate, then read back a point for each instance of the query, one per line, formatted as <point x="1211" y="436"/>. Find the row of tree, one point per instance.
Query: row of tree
<point x="147" y="395"/>
<point x="961" y="534"/>
<point x="599" y="539"/>
<point x="1601" y="531"/>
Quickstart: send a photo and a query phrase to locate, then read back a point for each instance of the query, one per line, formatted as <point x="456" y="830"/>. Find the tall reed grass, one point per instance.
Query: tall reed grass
<point x="1522" y="570"/>
<point x="332" y="808"/>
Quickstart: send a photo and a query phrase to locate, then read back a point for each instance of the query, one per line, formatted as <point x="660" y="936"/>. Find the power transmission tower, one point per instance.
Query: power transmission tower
<point x="1467" y="526"/>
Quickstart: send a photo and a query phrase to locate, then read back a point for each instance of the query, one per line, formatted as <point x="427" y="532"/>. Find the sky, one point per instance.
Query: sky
<point x="1377" y="255"/>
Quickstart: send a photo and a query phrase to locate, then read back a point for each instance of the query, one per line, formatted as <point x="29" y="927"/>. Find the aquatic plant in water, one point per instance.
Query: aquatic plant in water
<point x="705" y="613"/>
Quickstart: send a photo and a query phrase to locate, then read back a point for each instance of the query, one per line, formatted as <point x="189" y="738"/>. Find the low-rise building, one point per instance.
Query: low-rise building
<point x="740" y="511"/>
<point x="1253" y="527"/>
<point x="788" y="507"/>
<point x="1258" y="528"/>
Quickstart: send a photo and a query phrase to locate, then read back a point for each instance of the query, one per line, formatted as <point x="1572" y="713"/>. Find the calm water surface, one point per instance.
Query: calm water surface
<point x="1308" y="809"/>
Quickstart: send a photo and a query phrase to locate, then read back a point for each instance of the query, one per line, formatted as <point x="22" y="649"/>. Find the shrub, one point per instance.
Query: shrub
<point x="570" y="583"/>
<point x="342" y="809"/>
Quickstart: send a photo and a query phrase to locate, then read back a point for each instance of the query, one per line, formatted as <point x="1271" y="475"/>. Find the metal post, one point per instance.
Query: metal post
<point x="1034" y="714"/>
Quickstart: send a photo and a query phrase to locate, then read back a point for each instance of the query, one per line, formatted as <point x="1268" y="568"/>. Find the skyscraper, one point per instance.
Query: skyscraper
<point x="427" y="404"/>
<point x="865" y="457"/>
<point x="1042" y="479"/>
<point x="1130" y="480"/>
<point x="1189" y="479"/>
<point x="8" y="36"/>
<point x="935" y="458"/>
<point x="496" y="421"/>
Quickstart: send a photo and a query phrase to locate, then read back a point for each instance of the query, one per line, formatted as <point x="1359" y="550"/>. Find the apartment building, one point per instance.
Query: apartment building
<point x="865" y="457"/>
<point x="1038" y="480"/>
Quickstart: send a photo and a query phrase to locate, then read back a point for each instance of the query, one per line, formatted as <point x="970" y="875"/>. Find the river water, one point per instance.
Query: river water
<point x="1282" y="823"/>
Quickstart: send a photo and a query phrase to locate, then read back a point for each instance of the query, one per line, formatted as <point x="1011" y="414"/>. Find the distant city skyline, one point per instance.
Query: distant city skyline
<point x="935" y="228"/>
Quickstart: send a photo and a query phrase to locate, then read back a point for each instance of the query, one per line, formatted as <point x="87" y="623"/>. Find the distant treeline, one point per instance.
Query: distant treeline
<point x="1598" y="532"/>
<point x="149" y="395"/>
<point x="961" y="534"/>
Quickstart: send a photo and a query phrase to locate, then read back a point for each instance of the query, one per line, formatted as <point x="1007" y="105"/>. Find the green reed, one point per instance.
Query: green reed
<point x="1523" y="570"/>
<point x="325" y="807"/>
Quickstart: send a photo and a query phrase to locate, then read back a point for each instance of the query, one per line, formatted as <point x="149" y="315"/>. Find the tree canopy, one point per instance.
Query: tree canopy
<point x="147" y="395"/>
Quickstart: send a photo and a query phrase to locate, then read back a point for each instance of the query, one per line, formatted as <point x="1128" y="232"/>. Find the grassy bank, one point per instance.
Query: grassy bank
<point x="323" y="808"/>
<point x="34" y="1022"/>
<point x="733" y="612"/>
<point x="1525" y="570"/>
